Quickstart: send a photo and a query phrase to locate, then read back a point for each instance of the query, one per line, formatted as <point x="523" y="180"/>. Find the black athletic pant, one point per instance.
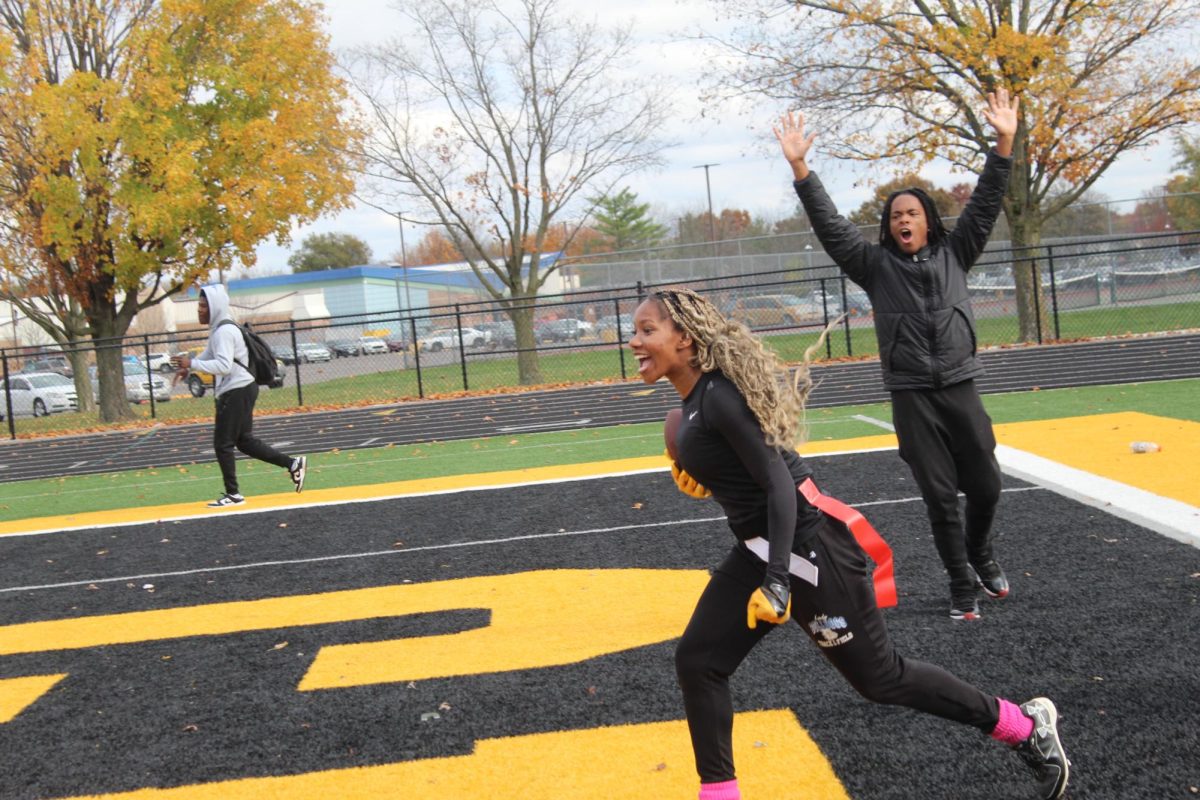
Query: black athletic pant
<point x="946" y="439"/>
<point x="235" y="421"/>
<point x="839" y="615"/>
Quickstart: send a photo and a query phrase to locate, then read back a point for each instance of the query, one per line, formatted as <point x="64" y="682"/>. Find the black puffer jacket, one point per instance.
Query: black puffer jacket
<point x="923" y="316"/>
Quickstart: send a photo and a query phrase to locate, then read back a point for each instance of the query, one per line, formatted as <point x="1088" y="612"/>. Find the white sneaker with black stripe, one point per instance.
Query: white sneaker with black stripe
<point x="227" y="500"/>
<point x="297" y="470"/>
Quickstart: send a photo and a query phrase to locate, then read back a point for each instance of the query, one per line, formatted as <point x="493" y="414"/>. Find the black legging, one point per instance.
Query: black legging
<point x="839" y="615"/>
<point x="946" y="439"/>
<point x="233" y="428"/>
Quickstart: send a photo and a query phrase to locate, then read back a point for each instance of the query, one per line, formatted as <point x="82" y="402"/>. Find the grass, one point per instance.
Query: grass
<point x="198" y="482"/>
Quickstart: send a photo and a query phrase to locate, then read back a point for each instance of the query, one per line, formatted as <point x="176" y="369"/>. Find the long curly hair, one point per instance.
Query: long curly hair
<point x="775" y="392"/>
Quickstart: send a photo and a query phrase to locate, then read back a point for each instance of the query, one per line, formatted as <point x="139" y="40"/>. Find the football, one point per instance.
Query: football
<point x="670" y="428"/>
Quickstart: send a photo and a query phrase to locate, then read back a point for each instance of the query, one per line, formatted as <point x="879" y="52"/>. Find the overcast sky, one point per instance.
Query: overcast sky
<point x="748" y="172"/>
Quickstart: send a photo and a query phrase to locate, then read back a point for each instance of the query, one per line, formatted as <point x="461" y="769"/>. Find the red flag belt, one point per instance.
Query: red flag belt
<point x="865" y="534"/>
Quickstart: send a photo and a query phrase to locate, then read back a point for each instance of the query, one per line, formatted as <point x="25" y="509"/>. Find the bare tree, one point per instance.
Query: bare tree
<point x="493" y="120"/>
<point x="905" y="79"/>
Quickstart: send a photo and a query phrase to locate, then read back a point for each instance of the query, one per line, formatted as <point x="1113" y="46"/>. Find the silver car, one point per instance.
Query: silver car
<point x="309" y="352"/>
<point x="37" y="394"/>
<point x="138" y="387"/>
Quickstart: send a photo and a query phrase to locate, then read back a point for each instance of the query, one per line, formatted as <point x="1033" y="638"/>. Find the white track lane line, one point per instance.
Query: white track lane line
<point x="426" y="548"/>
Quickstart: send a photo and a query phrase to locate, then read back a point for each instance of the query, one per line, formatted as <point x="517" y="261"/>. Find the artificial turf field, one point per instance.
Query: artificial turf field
<point x="516" y="642"/>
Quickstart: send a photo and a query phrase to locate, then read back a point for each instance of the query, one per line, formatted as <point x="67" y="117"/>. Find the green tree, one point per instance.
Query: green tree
<point x="625" y="223"/>
<point x="1183" y="191"/>
<point x="145" y="143"/>
<point x="320" y="251"/>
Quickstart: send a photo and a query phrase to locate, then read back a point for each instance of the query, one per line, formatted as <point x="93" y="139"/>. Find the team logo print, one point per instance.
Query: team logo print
<point x="827" y="631"/>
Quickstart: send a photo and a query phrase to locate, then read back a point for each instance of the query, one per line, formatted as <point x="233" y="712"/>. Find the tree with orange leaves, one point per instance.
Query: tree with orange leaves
<point x="145" y="143"/>
<point x="903" y="79"/>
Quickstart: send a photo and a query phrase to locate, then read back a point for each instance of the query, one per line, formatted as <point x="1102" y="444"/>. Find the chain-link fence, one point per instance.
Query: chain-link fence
<point x="1088" y="289"/>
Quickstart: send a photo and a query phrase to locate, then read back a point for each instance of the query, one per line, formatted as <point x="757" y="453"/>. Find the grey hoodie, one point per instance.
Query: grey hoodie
<point x="225" y="345"/>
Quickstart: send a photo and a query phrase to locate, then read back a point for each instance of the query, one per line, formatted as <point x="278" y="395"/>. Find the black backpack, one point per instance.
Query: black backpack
<point x="262" y="364"/>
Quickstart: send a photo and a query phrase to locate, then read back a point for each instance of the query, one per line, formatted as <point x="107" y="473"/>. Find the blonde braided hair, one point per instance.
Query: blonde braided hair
<point x="775" y="397"/>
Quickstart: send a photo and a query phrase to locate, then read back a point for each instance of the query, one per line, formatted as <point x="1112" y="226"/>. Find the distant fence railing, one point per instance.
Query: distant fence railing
<point x="1090" y="289"/>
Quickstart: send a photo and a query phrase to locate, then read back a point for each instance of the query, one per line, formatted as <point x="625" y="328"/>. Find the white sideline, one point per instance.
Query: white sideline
<point x="1163" y="515"/>
<point x="1171" y="518"/>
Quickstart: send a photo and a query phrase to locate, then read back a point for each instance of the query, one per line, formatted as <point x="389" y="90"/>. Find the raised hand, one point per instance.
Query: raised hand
<point x="1001" y="114"/>
<point x="794" y="143"/>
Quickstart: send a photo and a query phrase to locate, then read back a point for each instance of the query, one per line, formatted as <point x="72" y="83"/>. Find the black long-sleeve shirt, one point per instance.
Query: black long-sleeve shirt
<point x="923" y="316"/>
<point x="721" y="445"/>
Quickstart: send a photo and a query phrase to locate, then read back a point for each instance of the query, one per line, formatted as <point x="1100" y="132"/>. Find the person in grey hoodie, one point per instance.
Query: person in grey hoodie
<point x="226" y="358"/>
<point x="916" y="279"/>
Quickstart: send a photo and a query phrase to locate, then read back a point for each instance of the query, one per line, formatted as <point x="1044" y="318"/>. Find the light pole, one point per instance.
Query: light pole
<point x="712" y="221"/>
<point x="407" y="293"/>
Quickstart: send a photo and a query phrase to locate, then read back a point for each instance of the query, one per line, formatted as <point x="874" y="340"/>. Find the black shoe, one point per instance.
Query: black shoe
<point x="298" y="470"/>
<point x="992" y="579"/>
<point x="227" y="500"/>
<point x="964" y="607"/>
<point x="1042" y="751"/>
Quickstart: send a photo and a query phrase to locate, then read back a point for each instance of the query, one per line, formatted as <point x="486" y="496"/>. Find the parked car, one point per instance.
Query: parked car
<point x="284" y="354"/>
<point x="445" y="338"/>
<point x="38" y="394"/>
<point x="58" y="364"/>
<point x="856" y="301"/>
<point x="768" y="310"/>
<point x="313" y="351"/>
<point x="138" y="385"/>
<point x="369" y="345"/>
<point x="341" y="348"/>
<point x="159" y="362"/>
<point x="607" y="327"/>
<point x="396" y="345"/>
<point x="559" y="330"/>
<point x="499" y="334"/>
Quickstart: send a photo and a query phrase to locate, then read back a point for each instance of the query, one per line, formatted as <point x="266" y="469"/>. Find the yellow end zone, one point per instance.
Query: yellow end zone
<point x="1100" y="445"/>
<point x="776" y="758"/>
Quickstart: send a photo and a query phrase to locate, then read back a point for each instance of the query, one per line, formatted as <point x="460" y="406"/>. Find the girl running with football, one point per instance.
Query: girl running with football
<point x="740" y="420"/>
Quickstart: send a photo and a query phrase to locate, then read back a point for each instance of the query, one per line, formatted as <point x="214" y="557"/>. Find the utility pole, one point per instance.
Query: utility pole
<point x="407" y="293"/>
<point x="712" y="220"/>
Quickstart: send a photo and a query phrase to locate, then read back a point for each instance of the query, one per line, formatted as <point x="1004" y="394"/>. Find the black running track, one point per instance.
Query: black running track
<point x="1103" y="619"/>
<point x="1012" y="369"/>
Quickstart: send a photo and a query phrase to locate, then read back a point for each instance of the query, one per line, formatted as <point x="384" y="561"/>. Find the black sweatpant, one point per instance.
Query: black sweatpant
<point x="946" y="439"/>
<point x="839" y="614"/>
<point x="233" y="428"/>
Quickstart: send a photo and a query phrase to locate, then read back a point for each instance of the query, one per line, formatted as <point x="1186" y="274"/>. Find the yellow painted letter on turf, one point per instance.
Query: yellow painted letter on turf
<point x="539" y="619"/>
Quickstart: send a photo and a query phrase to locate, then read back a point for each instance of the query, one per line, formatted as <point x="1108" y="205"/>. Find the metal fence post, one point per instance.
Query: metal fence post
<point x="149" y="375"/>
<point x="1053" y="291"/>
<point x="12" y="423"/>
<point x="462" y="345"/>
<point x="296" y="363"/>
<point x="1037" y="297"/>
<point x="620" y="336"/>
<point x="846" y="317"/>
<point x="412" y="322"/>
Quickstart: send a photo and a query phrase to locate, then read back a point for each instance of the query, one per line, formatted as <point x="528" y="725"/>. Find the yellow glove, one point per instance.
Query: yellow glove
<point x="686" y="483"/>
<point x="771" y="602"/>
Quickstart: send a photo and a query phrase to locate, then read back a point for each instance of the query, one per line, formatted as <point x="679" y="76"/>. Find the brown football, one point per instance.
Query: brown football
<point x="670" y="428"/>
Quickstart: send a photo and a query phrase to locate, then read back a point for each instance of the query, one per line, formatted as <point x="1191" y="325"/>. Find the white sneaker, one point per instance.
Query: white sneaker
<point x="227" y="500"/>
<point x="297" y="471"/>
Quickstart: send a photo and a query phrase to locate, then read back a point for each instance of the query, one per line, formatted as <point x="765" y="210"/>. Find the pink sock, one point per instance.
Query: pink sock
<point x="726" y="790"/>
<point x="1014" y="727"/>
